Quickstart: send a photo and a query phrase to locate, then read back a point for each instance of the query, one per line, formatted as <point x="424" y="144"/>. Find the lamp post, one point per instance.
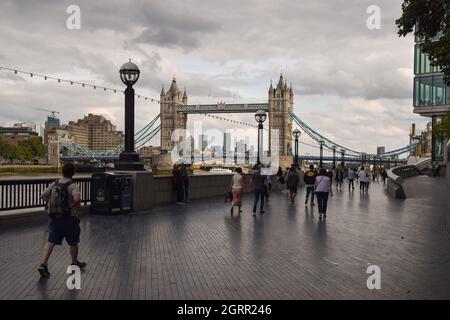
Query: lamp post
<point x="342" y="157"/>
<point x="129" y="159"/>
<point x="334" y="156"/>
<point x="296" y="135"/>
<point x="260" y="117"/>
<point x="321" y="143"/>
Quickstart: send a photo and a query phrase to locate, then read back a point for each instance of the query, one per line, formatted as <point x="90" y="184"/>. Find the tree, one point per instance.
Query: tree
<point x="3" y="149"/>
<point x="442" y="129"/>
<point x="34" y="146"/>
<point x="427" y="18"/>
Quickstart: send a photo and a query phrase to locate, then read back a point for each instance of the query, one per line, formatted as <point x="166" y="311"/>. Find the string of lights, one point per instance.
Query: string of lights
<point x="73" y="82"/>
<point x="231" y="120"/>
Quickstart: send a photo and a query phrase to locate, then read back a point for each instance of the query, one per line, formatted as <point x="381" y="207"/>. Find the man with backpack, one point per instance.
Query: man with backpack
<point x="310" y="179"/>
<point x="62" y="196"/>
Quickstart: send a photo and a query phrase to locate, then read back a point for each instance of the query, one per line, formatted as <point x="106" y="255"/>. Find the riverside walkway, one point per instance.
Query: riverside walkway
<point x="199" y="251"/>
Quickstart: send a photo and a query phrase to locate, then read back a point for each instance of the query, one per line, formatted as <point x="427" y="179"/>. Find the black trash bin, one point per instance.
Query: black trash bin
<point x="111" y="193"/>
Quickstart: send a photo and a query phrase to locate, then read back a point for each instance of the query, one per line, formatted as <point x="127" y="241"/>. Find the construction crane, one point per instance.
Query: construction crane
<point x="53" y="112"/>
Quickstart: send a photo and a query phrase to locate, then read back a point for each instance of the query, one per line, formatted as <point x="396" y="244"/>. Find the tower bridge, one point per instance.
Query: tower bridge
<point x="174" y="111"/>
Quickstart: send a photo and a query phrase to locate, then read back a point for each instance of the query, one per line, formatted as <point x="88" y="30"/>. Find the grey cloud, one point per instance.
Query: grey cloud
<point x="324" y="48"/>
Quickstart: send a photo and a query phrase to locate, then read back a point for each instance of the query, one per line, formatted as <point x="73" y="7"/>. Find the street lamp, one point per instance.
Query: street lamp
<point x="296" y="135"/>
<point x="321" y="142"/>
<point x="260" y="117"/>
<point x="129" y="159"/>
<point x="334" y="156"/>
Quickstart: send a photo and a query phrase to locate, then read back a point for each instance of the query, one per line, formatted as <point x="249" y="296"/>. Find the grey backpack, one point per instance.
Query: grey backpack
<point x="59" y="199"/>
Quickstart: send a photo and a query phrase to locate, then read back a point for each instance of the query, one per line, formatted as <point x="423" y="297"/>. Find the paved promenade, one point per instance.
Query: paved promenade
<point x="199" y="251"/>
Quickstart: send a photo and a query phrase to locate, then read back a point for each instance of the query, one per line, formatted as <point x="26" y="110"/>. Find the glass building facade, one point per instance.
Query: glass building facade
<point x="431" y="95"/>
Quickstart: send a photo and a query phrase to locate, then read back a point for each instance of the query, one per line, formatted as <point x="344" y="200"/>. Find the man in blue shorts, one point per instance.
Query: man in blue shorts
<point x="62" y="196"/>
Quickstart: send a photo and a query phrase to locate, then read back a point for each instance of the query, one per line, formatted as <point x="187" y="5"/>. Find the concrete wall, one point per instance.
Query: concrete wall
<point x="151" y="191"/>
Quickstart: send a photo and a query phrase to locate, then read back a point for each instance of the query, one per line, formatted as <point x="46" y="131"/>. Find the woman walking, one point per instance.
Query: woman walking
<point x="323" y="189"/>
<point x="237" y="184"/>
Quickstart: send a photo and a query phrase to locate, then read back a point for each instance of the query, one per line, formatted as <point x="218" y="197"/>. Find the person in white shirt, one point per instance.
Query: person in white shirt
<point x="323" y="189"/>
<point x="362" y="176"/>
<point x="368" y="177"/>
<point x="236" y="188"/>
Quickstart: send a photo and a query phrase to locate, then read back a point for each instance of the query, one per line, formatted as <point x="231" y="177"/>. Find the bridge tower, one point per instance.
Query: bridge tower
<point x="281" y="101"/>
<point x="170" y="118"/>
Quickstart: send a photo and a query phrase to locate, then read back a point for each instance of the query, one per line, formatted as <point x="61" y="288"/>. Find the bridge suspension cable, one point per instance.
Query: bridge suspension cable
<point x="329" y="144"/>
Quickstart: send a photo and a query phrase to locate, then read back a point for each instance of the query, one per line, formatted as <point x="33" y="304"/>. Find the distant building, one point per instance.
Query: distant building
<point x="381" y="150"/>
<point x="202" y="141"/>
<point x="95" y="132"/>
<point x="35" y="127"/>
<point x="58" y="144"/>
<point x="170" y="118"/>
<point x="149" y="151"/>
<point x="80" y="133"/>
<point x="14" y="135"/>
<point x="424" y="139"/>
<point x="51" y="125"/>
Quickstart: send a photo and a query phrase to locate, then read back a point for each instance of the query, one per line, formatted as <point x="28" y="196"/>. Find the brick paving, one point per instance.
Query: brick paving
<point x="199" y="251"/>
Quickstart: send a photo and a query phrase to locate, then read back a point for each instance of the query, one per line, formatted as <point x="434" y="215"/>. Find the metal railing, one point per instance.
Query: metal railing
<point x="25" y="193"/>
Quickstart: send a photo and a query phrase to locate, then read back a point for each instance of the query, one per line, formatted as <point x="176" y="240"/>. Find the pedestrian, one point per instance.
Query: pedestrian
<point x="268" y="187"/>
<point x="367" y="178"/>
<point x="236" y="188"/>
<point x="280" y="176"/>
<point x="362" y="178"/>
<point x="178" y="183"/>
<point x="185" y="179"/>
<point x="384" y="175"/>
<point x="339" y="178"/>
<point x="351" y="179"/>
<point x="437" y="170"/>
<point x="292" y="182"/>
<point x="323" y="189"/>
<point x="285" y="179"/>
<point x="259" y="183"/>
<point x="62" y="198"/>
<point x="310" y="179"/>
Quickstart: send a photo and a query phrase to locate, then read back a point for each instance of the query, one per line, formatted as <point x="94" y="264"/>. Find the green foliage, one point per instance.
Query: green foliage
<point x="24" y="151"/>
<point x="33" y="146"/>
<point x="426" y="18"/>
<point x="442" y="129"/>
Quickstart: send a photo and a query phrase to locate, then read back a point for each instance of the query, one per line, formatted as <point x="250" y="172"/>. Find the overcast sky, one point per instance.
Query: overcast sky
<point x="352" y="84"/>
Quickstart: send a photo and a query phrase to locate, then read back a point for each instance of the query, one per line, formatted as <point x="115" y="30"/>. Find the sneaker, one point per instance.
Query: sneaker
<point x="312" y="204"/>
<point x="81" y="265"/>
<point x="261" y="212"/>
<point x="43" y="271"/>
